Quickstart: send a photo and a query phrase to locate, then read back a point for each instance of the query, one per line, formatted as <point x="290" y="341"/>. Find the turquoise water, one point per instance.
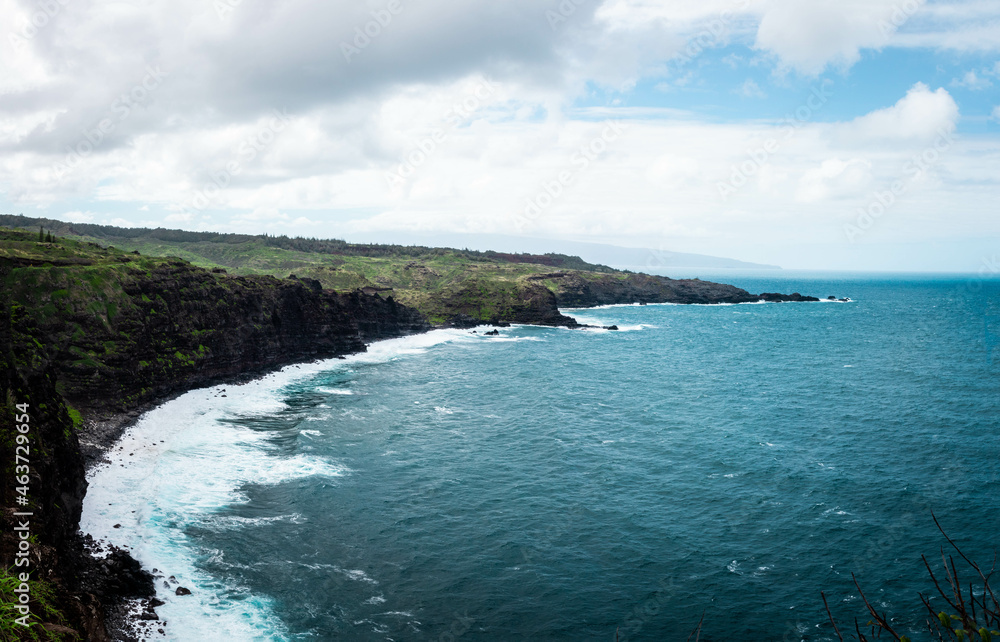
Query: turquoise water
<point x="557" y="484"/>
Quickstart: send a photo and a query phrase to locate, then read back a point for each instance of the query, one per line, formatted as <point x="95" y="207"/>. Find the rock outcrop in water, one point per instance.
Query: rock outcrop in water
<point x="774" y="297"/>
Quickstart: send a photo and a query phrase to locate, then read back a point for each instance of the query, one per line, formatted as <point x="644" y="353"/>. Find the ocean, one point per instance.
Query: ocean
<point x="719" y="462"/>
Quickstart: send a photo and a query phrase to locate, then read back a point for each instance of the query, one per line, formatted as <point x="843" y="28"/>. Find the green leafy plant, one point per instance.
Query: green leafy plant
<point x="42" y="608"/>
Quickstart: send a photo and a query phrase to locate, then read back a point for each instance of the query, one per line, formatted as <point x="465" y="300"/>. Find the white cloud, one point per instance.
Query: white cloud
<point x="733" y="60"/>
<point x="673" y="171"/>
<point x="656" y="183"/>
<point x="972" y="82"/>
<point x="996" y="114"/>
<point x="750" y="89"/>
<point x="808" y="36"/>
<point x="352" y="123"/>
<point x="919" y="116"/>
<point x="834" y="178"/>
<point x="960" y="25"/>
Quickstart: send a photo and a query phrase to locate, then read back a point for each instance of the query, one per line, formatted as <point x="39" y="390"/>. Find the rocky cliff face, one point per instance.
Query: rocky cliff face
<point x="477" y="302"/>
<point x="138" y="335"/>
<point x="582" y="290"/>
<point x="575" y="290"/>
<point x="102" y="341"/>
<point x="89" y="335"/>
<point x="62" y="606"/>
<point x="536" y="299"/>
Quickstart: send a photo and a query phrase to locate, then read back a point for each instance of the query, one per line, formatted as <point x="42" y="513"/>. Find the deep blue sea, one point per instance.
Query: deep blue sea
<point x="728" y="461"/>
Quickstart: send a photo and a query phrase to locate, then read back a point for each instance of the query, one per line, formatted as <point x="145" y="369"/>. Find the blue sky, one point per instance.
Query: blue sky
<point x="858" y="134"/>
<point x="718" y="86"/>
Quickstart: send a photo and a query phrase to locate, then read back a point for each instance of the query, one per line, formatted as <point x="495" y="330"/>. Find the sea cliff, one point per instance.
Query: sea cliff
<point x="91" y="336"/>
<point x="88" y="341"/>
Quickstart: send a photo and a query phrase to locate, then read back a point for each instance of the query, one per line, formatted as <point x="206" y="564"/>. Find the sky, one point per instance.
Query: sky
<point x="811" y="134"/>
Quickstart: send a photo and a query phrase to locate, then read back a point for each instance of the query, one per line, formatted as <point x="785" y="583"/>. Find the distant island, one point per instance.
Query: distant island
<point x="100" y="323"/>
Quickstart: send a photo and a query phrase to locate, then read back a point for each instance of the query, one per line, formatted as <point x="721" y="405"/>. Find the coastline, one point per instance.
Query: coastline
<point x="167" y="328"/>
<point x="209" y="328"/>
<point x="131" y="618"/>
<point x="100" y="432"/>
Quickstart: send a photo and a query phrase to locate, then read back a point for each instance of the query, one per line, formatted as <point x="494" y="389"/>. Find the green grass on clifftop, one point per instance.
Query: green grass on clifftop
<point x="439" y="282"/>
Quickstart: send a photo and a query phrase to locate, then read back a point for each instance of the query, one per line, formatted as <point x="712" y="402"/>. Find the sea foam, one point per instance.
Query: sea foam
<point x="185" y="462"/>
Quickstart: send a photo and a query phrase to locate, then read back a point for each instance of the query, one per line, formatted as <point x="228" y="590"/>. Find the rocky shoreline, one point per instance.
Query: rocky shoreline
<point x="165" y="330"/>
<point x="130" y="597"/>
<point x="171" y="327"/>
<point x="132" y="616"/>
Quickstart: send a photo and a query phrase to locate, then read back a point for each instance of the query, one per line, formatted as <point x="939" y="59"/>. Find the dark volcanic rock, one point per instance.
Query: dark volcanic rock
<point x="527" y="301"/>
<point x="584" y="290"/>
<point x="579" y="291"/>
<point x="462" y="321"/>
<point x="539" y="306"/>
<point x="57" y="478"/>
<point x="142" y="334"/>
<point x="182" y="327"/>
<point x="154" y="334"/>
<point x="111" y="574"/>
<point x="531" y="301"/>
<point x="780" y="298"/>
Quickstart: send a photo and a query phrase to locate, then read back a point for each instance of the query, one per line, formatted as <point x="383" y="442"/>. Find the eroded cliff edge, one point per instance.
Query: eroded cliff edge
<point x="91" y="336"/>
<point x="89" y="339"/>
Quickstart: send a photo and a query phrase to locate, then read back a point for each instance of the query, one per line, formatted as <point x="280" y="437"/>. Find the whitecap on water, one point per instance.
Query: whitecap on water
<point x="230" y="522"/>
<point x="358" y="576"/>
<point x="185" y="462"/>
<point x="201" y="468"/>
